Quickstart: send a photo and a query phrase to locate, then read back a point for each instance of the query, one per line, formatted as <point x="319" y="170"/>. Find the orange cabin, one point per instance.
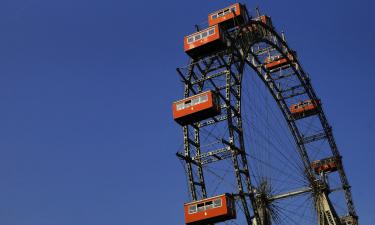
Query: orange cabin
<point x="229" y="16"/>
<point x="196" y="108"/>
<point x="304" y="109"/>
<point x="210" y="210"/>
<point x="204" y="42"/>
<point x="277" y="61"/>
<point x="265" y="19"/>
<point x="253" y="27"/>
<point x="324" y="165"/>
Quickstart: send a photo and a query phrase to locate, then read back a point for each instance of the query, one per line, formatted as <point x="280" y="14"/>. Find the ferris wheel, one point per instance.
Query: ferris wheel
<point x="258" y="148"/>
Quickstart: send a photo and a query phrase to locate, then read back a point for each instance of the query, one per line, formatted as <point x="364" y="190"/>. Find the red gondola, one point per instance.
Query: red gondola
<point x="277" y="61"/>
<point x="210" y="210"/>
<point x="205" y="42"/>
<point x="229" y="16"/>
<point x="325" y="165"/>
<point x="196" y="108"/>
<point x="304" y="109"/>
<point x="254" y="29"/>
<point x="265" y="19"/>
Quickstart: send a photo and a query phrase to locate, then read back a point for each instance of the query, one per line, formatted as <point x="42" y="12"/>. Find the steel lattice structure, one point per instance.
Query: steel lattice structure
<point x="224" y="72"/>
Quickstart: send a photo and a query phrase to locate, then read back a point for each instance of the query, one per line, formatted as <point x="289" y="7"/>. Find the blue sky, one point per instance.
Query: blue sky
<point x="86" y="131"/>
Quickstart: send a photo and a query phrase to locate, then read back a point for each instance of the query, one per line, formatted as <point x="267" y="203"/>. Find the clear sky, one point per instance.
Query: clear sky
<point x="86" y="131"/>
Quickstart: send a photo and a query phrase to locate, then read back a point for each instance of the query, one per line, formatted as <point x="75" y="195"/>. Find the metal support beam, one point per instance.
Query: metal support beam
<point x="290" y="194"/>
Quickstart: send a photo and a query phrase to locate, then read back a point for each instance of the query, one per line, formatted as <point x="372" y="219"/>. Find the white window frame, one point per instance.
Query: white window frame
<point x="217" y="206"/>
<point x="180" y="106"/>
<point x="203" y="98"/>
<point x="195" y="101"/>
<point x="190" y="41"/>
<point x="193" y="211"/>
